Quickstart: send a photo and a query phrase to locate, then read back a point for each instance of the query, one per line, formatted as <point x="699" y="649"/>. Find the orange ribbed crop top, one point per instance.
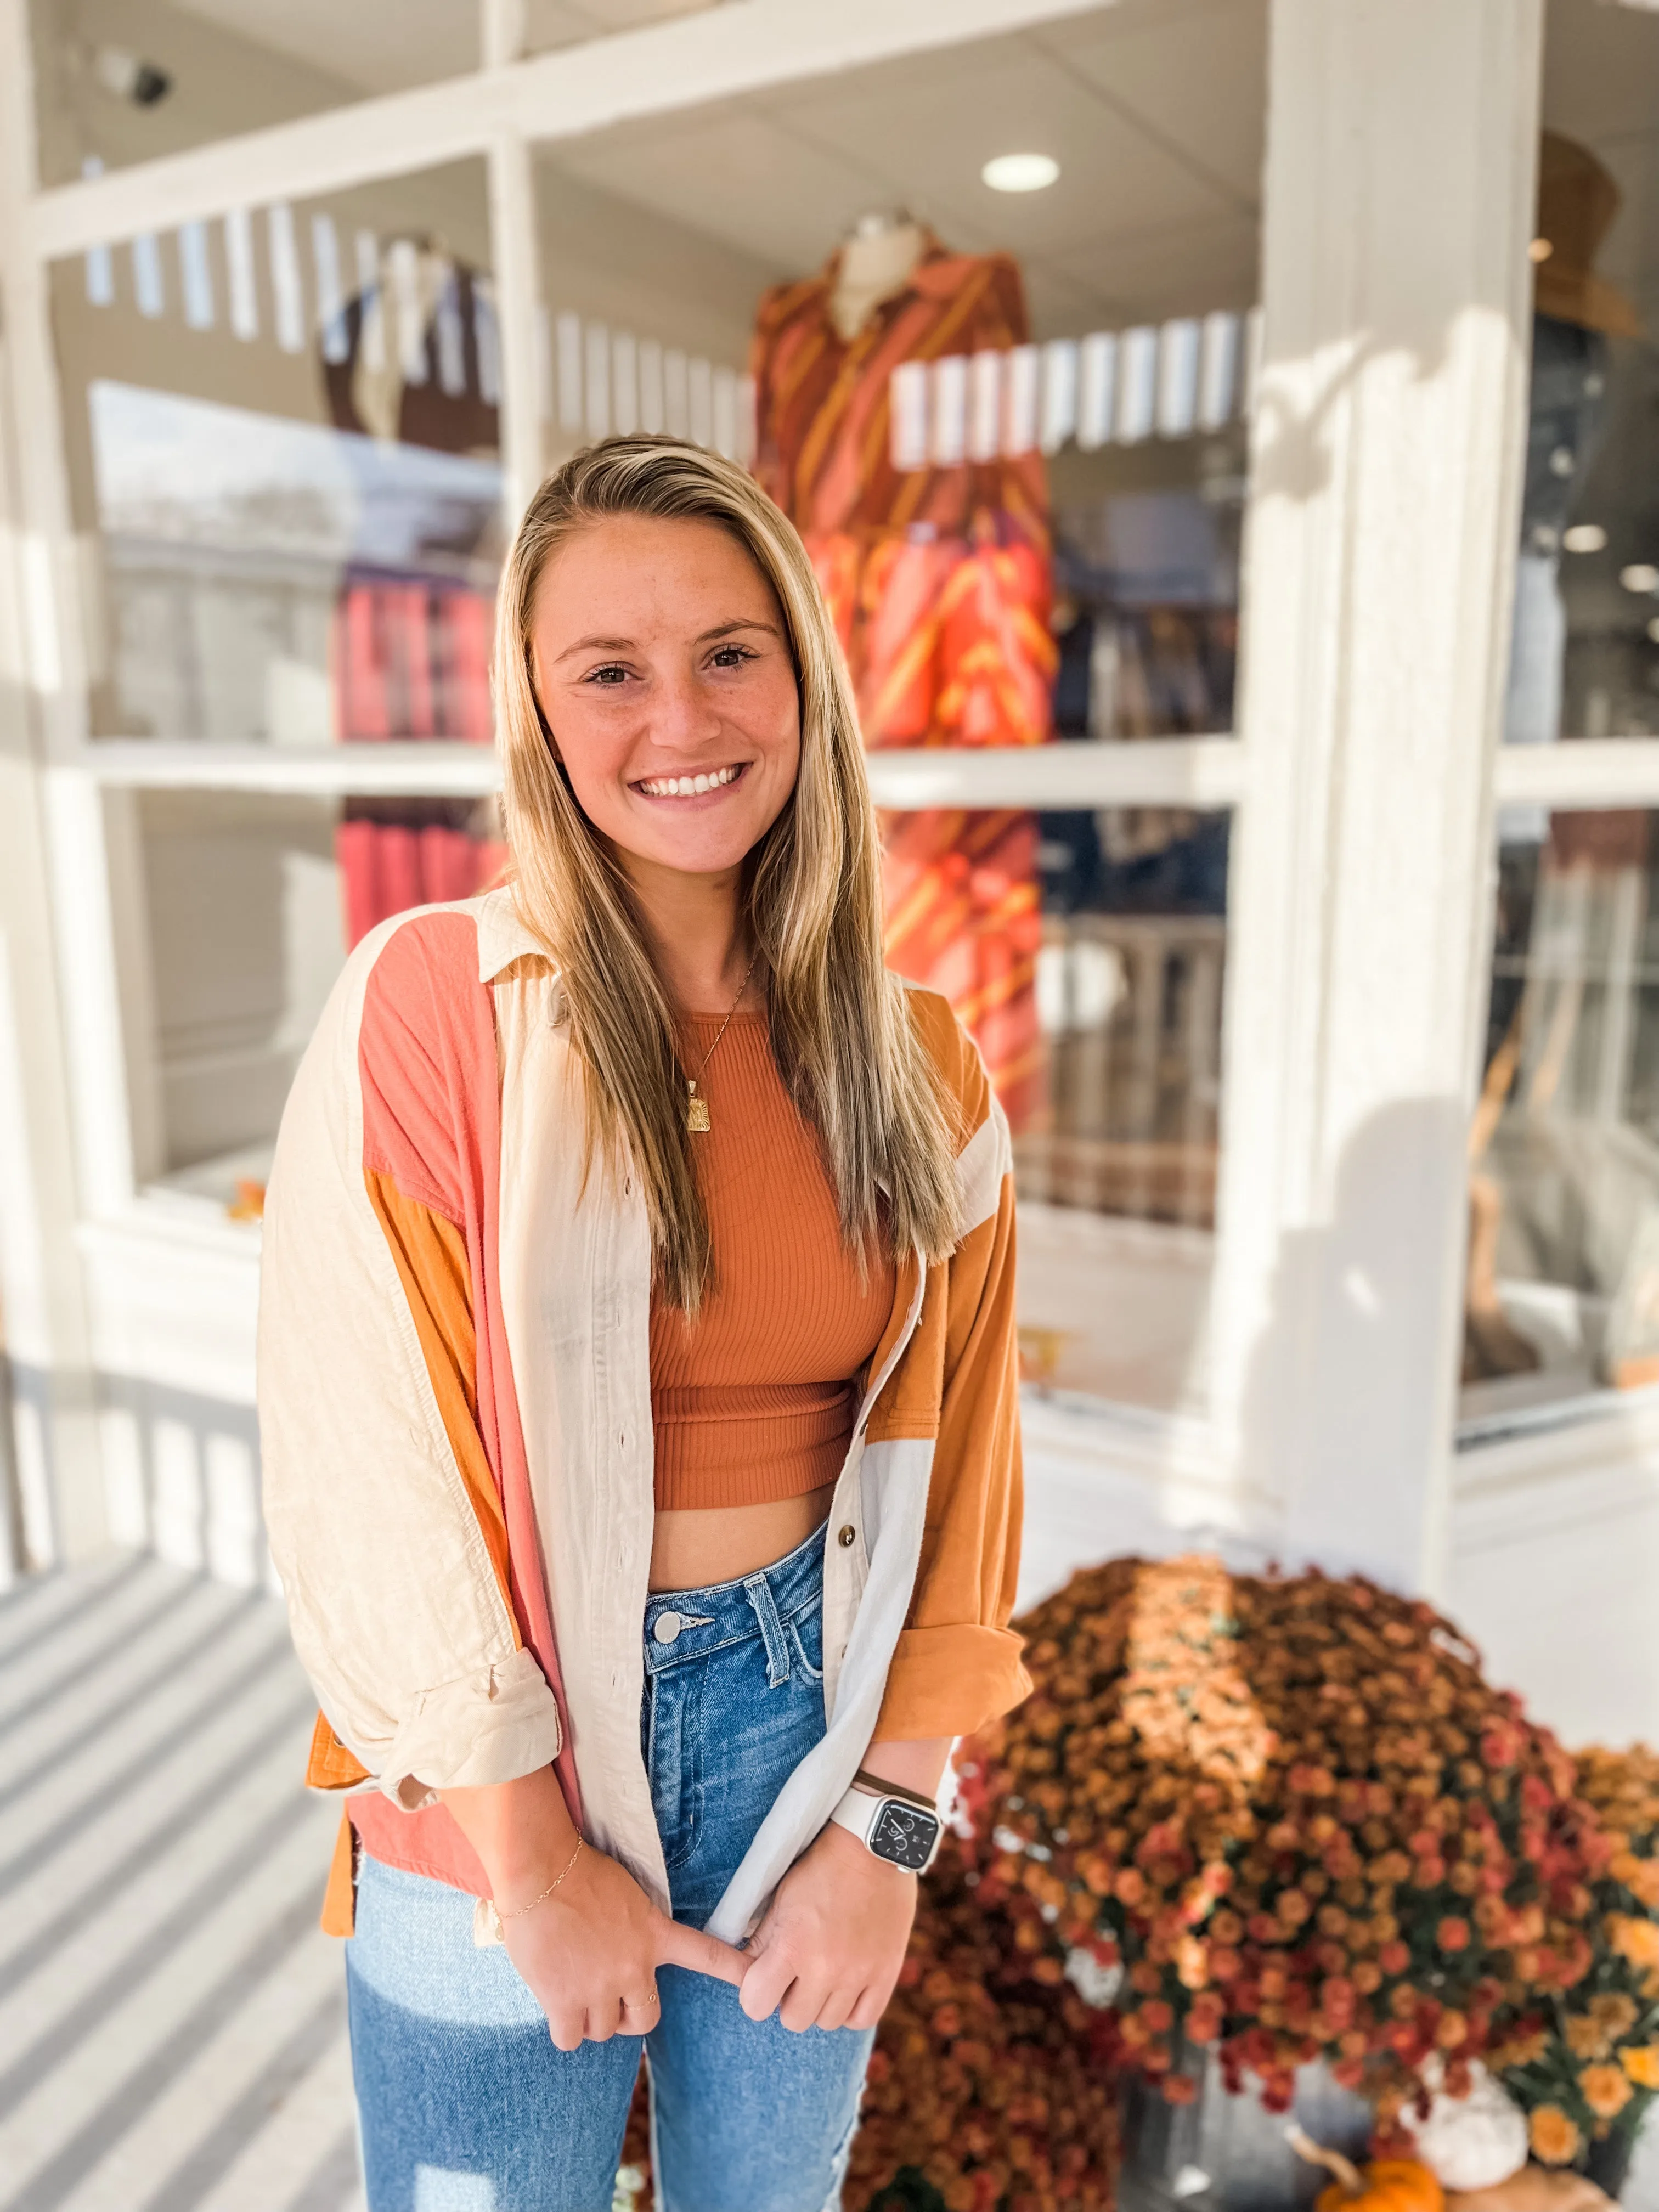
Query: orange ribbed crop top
<point x="755" y="1400"/>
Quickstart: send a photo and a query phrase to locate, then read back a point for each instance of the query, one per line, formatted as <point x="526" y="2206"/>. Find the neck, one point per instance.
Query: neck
<point x="698" y="938"/>
<point x="874" y="265"/>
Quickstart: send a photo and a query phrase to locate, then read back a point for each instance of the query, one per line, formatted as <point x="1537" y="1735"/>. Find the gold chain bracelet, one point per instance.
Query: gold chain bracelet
<point x="519" y="1911"/>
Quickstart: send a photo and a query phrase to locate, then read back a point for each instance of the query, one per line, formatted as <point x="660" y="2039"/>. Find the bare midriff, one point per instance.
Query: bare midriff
<point x="692" y="1548"/>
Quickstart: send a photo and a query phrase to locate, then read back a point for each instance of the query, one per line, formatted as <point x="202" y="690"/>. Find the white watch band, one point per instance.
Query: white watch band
<point x="858" y="1812"/>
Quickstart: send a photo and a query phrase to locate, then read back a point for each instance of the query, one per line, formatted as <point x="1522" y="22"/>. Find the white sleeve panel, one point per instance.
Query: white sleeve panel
<point x="395" y="1609"/>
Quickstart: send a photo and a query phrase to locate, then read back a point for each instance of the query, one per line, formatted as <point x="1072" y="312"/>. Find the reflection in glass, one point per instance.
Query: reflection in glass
<point x="1563" y="1269"/>
<point x="282" y="434"/>
<point x="1585" y="654"/>
<point x="1116" y="1164"/>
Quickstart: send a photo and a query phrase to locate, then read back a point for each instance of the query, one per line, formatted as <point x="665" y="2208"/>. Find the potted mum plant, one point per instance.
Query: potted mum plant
<point x="1585" y="2066"/>
<point x="1283" y="1820"/>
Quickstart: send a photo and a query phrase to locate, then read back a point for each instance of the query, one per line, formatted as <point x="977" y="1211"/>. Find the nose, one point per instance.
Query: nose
<point x="683" y="719"/>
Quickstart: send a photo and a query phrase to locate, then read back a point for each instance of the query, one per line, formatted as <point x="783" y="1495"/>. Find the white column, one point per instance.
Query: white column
<point x="515" y="249"/>
<point x="1388" y="449"/>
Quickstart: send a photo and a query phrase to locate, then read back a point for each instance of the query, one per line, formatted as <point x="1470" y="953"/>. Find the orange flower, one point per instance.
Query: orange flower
<point x="1635" y="1940"/>
<point x="1453" y="1933"/>
<point x="1586" y="2037"/>
<point x="1555" y="2139"/>
<point x="1606" y="2090"/>
<point x="1641" y="2062"/>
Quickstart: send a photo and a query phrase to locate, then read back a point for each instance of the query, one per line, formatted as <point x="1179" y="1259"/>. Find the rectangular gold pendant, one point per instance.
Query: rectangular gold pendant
<point x="697" y="1113"/>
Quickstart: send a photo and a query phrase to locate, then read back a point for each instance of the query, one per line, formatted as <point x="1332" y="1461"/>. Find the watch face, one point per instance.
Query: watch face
<point x="904" y="1835"/>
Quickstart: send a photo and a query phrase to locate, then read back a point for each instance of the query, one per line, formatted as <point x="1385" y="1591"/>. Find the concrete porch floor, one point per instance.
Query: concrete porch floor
<point x="173" y="2031"/>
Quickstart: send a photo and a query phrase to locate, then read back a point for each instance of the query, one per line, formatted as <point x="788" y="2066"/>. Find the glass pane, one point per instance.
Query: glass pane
<point x="123" y="80"/>
<point x="1051" y="377"/>
<point x="1097" y="999"/>
<point x="283" y="441"/>
<point x="1586" y="652"/>
<point x="249" y="904"/>
<point x="1563" y="1266"/>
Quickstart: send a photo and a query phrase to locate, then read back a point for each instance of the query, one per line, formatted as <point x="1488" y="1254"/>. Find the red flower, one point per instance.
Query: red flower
<point x="1452" y="1934"/>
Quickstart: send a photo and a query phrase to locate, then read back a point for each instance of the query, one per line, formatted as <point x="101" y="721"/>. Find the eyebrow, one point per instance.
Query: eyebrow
<point x="705" y="637"/>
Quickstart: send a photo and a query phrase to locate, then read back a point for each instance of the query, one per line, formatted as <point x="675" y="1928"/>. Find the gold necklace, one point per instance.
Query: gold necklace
<point x="697" y="1108"/>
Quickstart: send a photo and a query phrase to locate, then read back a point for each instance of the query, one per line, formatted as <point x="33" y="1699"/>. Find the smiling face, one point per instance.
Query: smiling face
<point x="663" y="670"/>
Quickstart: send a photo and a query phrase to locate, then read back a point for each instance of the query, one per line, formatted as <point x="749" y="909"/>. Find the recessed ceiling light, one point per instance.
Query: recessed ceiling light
<point x="1640" y="576"/>
<point x="1584" y="537"/>
<point x="1020" y="173"/>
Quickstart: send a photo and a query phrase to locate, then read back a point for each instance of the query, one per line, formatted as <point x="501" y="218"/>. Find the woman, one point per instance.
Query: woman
<point x="638" y="1391"/>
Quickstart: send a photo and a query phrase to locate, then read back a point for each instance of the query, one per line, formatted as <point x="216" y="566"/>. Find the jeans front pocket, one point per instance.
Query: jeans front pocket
<point x="674" y="1758"/>
<point x="806" y="1634"/>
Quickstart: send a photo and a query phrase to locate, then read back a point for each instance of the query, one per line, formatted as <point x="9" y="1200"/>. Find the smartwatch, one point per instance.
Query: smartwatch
<point x="896" y="1826"/>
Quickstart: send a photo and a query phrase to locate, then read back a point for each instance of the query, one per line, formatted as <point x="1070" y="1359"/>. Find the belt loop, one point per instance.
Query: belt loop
<point x="766" y="1612"/>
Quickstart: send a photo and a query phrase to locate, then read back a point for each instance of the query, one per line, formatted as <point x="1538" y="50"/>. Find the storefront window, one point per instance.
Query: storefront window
<point x="283" y="429"/>
<point x="1586" y="651"/>
<point x="1009" y="424"/>
<point x="1563" y="1269"/>
<point x="117" y="83"/>
<point x="1115" y="1108"/>
<point x="250" y="902"/>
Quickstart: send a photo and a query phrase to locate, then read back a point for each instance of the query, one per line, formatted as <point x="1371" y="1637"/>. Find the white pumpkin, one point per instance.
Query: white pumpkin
<point x="1473" y="2141"/>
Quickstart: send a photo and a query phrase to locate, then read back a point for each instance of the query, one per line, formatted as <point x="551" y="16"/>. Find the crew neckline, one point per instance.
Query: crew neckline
<point x="745" y="1016"/>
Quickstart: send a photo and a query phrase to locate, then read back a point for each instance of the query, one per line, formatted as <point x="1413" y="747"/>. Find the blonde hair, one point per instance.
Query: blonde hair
<point x="840" y="1031"/>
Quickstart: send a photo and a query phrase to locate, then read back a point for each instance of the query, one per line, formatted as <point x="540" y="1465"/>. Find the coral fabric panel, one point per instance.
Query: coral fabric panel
<point x="432" y="1142"/>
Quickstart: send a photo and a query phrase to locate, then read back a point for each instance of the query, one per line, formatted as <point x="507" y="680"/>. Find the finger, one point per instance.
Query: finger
<point x="867" y="2011"/>
<point x="600" y="2023"/>
<point x="680" y="1946"/>
<point x="641" y="2014"/>
<point x="770" y="1977"/>
<point x="803" y="2001"/>
<point x="837" y="2007"/>
<point x="566" y="2030"/>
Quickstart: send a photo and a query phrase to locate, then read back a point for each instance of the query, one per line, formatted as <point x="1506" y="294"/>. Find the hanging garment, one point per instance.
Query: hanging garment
<point x="937" y="578"/>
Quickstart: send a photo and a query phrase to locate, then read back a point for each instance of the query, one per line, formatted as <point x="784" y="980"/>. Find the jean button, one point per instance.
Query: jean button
<point x="667" y="1626"/>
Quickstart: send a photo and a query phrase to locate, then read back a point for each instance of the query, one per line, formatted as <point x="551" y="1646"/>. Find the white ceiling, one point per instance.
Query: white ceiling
<point x="385" y="45"/>
<point x="1153" y="109"/>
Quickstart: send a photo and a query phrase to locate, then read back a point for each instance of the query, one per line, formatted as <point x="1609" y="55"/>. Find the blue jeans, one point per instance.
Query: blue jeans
<point x="467" y="2106"/>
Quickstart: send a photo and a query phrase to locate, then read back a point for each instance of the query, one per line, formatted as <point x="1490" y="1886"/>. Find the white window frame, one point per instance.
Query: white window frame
<point x="1296" y="1083"/>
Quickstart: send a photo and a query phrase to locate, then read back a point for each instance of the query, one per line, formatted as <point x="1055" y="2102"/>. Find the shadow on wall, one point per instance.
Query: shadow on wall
<point x="182" y="1477"/>
<point x="1335" y="1420"/>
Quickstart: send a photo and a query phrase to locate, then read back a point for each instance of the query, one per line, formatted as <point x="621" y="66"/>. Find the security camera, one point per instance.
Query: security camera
<point x="129" y="78"/>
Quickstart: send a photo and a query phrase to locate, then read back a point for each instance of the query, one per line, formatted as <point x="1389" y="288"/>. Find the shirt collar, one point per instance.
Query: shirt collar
<point x="503" y="937"/>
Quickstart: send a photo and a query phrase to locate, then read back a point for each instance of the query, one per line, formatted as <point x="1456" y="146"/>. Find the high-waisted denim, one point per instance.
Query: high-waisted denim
<point x="465" y="2104"/>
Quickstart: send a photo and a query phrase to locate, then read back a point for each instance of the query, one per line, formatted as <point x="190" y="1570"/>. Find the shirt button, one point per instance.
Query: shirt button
<point x="667" y="1626"/>
<point x="845" y="1535"/>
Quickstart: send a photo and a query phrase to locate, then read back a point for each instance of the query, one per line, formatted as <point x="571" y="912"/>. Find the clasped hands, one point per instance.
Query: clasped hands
<point x="826" y="1955"/>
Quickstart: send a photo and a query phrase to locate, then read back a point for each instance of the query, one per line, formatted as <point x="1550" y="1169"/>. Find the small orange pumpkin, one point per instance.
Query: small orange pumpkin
<point x="1387" y="2184"/>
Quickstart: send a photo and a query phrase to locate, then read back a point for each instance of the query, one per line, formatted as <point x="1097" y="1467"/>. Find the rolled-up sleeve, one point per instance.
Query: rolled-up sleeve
<point x="957" y="1664"/>
<point x="382" y="1511"/>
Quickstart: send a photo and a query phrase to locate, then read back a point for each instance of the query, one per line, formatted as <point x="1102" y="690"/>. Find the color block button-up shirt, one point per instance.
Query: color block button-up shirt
<point x="455" y="1411"/>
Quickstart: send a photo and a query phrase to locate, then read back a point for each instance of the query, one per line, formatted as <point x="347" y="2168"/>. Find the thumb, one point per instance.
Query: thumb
<point x="680" y="1946"/>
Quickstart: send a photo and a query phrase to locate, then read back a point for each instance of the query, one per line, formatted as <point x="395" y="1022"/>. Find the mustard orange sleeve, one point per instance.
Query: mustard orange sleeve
<point x="958" y="1664"/>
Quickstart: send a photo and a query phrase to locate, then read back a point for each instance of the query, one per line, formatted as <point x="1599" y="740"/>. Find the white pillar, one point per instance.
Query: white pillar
<point x="1388" y="449"/>
<point x="515" y="250"/>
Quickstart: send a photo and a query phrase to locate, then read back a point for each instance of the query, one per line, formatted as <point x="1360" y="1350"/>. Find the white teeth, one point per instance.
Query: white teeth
<point x="688" y="786"/>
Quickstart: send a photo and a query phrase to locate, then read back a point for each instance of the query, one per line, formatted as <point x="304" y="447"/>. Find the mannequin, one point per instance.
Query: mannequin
<point x="938" y="580"/>
<point x="876" y="262"/>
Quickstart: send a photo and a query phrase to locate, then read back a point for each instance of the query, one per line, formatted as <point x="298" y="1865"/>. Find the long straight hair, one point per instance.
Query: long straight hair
<point x="840" y="1031"/>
